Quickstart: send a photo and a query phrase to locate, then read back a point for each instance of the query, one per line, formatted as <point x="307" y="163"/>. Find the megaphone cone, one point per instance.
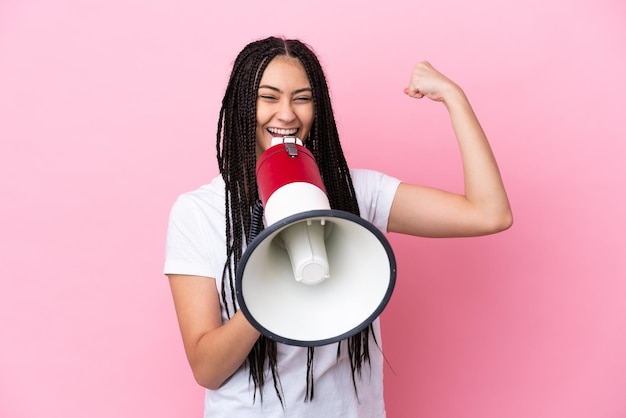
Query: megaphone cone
<point x="315" y="275"/>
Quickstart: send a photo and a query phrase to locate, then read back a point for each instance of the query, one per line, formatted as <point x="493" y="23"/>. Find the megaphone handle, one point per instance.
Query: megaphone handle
<point x="257" y="220"/>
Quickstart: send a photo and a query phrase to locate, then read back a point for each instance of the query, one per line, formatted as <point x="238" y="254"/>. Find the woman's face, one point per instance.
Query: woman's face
<point x="284" y="103"/>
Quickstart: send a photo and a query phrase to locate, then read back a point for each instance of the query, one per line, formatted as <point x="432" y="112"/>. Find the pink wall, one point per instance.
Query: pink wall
<point x="107" y="113"/>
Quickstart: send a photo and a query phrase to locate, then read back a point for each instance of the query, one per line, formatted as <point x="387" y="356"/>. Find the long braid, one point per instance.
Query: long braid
<point x="340" y="190"/>
<point x="236" y="155"/>
<point x="324" y="145"/>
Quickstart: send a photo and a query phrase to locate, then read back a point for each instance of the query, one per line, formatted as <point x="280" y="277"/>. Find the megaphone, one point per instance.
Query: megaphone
<point x="314" y="275"/>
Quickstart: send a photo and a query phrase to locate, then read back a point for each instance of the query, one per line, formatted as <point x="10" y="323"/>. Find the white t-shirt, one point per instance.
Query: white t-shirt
<point x="196" y="246"/>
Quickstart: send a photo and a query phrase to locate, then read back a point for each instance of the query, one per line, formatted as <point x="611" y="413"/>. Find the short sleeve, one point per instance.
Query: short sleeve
<point x="189" y="249"/>
<point x="375" y="192"/>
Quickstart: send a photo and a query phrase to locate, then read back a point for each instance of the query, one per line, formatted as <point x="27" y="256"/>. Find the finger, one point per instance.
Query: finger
<point x="415" y="93"/>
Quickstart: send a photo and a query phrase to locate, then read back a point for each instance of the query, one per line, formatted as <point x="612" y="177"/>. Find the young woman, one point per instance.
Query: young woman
<point x="278" y="88"/>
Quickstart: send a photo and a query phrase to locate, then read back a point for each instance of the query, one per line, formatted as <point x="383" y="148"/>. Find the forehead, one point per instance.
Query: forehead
<point x="285" y="70"/>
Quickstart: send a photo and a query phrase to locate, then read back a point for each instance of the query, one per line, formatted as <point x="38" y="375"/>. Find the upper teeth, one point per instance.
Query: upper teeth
<point x="279" y="131"/>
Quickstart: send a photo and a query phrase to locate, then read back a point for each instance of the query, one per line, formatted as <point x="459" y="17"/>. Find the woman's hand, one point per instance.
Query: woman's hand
<point x="483" y="208"/>
<point x="426" y="81"/>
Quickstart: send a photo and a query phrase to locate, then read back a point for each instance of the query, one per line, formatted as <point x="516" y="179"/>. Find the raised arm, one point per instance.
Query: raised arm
<point x="214" y="351"/>
<point x="484" y="207"/>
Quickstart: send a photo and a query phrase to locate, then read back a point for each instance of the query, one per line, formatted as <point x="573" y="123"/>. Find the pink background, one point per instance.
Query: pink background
<point x="108" y="112"/>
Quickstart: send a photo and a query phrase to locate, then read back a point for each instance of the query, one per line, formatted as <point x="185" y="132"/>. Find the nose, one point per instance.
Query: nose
<point x="285" y="111"/>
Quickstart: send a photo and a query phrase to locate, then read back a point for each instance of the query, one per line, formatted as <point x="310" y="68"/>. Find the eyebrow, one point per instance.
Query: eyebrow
<point x="276" y="89"/>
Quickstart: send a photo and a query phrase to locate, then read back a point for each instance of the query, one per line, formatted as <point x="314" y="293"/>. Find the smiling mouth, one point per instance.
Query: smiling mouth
<point x="282" y="132"/>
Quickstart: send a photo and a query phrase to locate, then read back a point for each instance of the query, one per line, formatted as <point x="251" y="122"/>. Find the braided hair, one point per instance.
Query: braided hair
<point x="236" y="155"/>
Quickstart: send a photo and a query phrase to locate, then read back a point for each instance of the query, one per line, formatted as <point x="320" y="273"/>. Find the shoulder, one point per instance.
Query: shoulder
<point x="371" y="181"/>
<point x="201" y="209"/>
<point x="207" y="198"/>
<point x="375" y="192"/>
<point x="196" y="231"/>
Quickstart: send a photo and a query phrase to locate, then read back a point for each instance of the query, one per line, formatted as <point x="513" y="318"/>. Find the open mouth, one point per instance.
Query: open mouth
<point x="282" y="132"/>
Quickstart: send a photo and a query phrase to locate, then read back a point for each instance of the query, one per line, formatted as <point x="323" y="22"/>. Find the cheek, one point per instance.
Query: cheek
<point x="308" y="119"/>
<point x="263" y="113"/>
<point x="259" y="117"/>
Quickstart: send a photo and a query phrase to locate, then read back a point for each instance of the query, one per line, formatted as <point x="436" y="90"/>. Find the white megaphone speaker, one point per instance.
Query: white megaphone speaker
<point x="314" y="275"/>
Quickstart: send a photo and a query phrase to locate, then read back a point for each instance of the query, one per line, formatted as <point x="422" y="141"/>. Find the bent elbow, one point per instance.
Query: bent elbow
<point x="208" y="376"/>
<point x="500" y="223"/>
<point x="508" y="222"/>
<point x="207" y="381"/>
<point x="209" y="385"/>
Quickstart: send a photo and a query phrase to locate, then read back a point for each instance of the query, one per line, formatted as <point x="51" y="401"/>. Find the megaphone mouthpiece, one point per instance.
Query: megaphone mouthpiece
<point x="288" y="139"/>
